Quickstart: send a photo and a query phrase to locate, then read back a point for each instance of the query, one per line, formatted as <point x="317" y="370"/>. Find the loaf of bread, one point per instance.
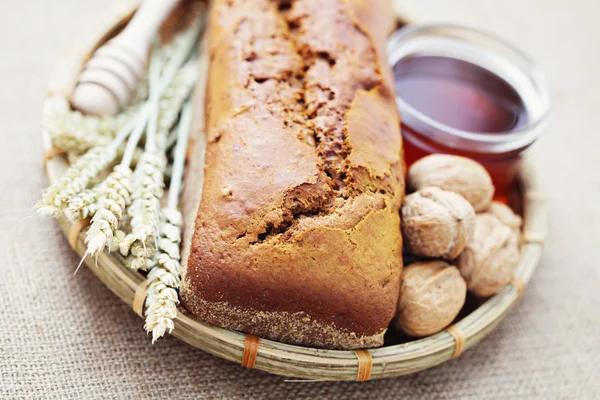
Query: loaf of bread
<point x="295" y="235"/>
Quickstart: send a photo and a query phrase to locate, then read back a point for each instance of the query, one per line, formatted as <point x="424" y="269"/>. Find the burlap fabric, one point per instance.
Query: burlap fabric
<point x="68" y="336"/>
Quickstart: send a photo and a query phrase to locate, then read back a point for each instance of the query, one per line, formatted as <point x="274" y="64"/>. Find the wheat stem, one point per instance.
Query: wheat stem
<point x="185" y="45"/>
<point x="183" y="130"/>
<point x="150" y="109"/>
<point x="154" y="76"/>
<point x="165" y="277"/>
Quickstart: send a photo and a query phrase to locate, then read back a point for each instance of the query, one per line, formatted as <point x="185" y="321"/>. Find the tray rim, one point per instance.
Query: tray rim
<point x="283" y="359"/>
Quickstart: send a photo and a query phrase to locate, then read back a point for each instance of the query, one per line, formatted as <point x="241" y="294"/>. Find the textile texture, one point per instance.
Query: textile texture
<point x="65" y="335"/>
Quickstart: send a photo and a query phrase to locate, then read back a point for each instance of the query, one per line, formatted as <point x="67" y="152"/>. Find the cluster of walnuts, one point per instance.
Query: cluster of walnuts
<point x="468" y="242"/>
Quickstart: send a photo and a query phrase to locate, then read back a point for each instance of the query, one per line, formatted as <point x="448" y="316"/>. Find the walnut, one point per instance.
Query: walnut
<point x="506" y="215"/>
<point x="436" y="223"/>
<point x="457" y="174"/>
<point x="431" y="296"/>
<point x="488" y="261"/>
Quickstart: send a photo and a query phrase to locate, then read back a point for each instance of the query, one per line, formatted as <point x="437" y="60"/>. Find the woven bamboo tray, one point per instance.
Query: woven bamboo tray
<point x="283" y="359"/>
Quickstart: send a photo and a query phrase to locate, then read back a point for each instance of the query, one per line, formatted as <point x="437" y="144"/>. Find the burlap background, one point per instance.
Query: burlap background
<point x="63" y="335"/>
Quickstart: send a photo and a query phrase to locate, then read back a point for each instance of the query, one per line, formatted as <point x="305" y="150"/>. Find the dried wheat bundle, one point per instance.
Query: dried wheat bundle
<point x="107" y="219"/>
<point x="124" y="205"/>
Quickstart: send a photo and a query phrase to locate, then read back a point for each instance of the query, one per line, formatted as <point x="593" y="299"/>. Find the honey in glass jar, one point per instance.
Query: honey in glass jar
<point x="464" y="92"/>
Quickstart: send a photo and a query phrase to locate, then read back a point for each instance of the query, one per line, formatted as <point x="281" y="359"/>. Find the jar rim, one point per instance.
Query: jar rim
<point x="514" y="139"/>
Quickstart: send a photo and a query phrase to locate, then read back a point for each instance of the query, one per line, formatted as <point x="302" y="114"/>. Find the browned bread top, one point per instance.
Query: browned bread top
<point x="297" y="236"/>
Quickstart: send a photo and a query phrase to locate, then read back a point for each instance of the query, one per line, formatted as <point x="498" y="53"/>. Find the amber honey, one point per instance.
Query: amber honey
<point x="463" y="92"/>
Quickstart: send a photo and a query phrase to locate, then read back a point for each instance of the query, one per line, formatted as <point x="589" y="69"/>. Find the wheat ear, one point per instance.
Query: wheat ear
<point x="165" y="277"/>
<point x="114" y="199"/>
<point x="76" y="179"/>
<point x="76" y="133"/>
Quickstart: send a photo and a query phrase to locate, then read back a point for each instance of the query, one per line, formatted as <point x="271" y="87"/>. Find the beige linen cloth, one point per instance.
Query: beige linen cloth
<point x="68" y="336"/>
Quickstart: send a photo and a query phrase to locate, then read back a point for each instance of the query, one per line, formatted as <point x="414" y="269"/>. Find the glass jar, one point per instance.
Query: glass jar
<point x="464" y="92"/>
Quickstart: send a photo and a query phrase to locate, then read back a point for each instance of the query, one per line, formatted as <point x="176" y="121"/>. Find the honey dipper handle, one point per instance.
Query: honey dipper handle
<point x="109" y="78"/>
<point x="145" y="23"/>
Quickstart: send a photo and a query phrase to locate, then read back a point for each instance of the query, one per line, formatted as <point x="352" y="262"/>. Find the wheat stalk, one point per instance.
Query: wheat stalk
<point x="164" y="278"/>
<point x="75" y="180"/>
<point x="174" y="97"/>
<point x="114" y="197"/>
<point x="163" y="300"/>
<point x="115" y="187"/>
<point x="148" y="180"/>
<point x="148" y="189"/>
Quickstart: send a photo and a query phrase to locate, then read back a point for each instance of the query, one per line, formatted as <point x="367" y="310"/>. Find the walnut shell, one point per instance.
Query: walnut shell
<point x="505" y="215"/>
<point x="456" y="174"/>
<point x="488" y="261"/>
<point x="436" y="223"/>
<point x="431" y="296"/>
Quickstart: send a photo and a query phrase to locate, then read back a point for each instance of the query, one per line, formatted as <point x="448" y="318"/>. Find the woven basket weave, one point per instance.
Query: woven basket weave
<point x="283" y="359"/>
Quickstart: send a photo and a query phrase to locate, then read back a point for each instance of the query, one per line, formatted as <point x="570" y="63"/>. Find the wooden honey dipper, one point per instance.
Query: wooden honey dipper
<point x="109" y="78"/>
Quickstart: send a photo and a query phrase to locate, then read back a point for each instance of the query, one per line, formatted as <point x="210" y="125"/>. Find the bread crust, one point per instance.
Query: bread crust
<point x="297" y="233"/>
